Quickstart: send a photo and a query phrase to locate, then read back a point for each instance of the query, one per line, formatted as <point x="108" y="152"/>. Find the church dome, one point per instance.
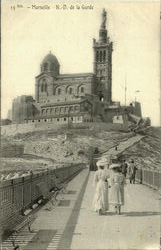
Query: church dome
<point x="50" y="64"/>
<point x="50" y="58"/>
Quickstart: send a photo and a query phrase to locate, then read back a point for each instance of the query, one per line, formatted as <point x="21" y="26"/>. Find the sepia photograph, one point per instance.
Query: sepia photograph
<point x="80" y="156"/>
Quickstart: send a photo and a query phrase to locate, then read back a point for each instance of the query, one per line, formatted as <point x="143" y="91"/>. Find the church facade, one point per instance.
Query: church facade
<point x="82" y="97"/>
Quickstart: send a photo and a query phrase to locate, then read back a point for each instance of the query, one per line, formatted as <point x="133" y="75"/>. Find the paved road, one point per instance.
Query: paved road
<point x="137" y="228"/>
<point x="73" y="225"/>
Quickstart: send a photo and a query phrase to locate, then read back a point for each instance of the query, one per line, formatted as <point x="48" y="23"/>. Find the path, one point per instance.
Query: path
<point x="122" y="146"/>
<point x="73" y="224"/>
<point x="137" y="228"/>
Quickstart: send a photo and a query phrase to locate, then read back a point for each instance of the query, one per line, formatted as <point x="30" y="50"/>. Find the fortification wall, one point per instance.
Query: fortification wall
<point x="14" y="129"/>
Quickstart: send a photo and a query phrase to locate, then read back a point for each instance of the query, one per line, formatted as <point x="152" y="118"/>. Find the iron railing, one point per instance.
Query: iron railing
<point x="151" y="178"/>
<point x="16" y="195"/>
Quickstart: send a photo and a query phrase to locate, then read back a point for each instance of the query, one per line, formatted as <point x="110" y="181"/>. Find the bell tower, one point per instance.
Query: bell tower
<point x="103" y="62"/>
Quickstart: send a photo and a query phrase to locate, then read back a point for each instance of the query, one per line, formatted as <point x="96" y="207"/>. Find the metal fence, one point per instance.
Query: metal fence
<point x="151" y="178"/>
<point x="19" y="194"/>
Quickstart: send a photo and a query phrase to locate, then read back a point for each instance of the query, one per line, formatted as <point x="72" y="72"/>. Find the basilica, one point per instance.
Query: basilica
<point x="82" y="97"/>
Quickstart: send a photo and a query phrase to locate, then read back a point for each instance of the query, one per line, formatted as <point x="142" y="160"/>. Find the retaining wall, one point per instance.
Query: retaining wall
<point x="14" y="129"/>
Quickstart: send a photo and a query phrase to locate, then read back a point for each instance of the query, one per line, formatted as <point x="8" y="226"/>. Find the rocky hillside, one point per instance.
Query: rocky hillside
<point x="147" y="153"/>
<point x="50" y="149"/>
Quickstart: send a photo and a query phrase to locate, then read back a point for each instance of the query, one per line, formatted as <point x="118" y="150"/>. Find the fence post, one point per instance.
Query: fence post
<point x="12" y="192"/>
<point x="23" y="192"/>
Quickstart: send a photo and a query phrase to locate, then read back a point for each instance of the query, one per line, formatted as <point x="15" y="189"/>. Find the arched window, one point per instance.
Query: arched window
<point x="45" y="66"/>
<point x="77" y="108"/>
<point x="57" y="110"/>
<point x="42" y="87"/>
<point x="70" y="91"/>
<point x="66" y="110"/>
<point x="59" y="91"/>
<point x="71" y="109"/>
<point x="66" y="89"/>
<point x="100" y="56"/>
<point x="45" y="87"/>
<point x="54" y="90"/>
<point x="97" y="56"/>
<point x="104" y="55"/>
<point x="82" y="90"/>
<point x="52" y="67"/>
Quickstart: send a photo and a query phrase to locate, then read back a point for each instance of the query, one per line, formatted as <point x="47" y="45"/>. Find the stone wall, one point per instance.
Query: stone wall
<point x="14" y="129"/>
<point x="63" y="88"/>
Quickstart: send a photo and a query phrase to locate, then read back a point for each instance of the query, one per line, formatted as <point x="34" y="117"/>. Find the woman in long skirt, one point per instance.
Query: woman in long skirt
<point x="100" y="201"/>
<point x="117" y="182"/>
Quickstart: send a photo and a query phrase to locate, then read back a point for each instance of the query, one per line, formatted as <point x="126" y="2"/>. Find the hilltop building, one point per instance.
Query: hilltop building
<point x="82" y="97"/>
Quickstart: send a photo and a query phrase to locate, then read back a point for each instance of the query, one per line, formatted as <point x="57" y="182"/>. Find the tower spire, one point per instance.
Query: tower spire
<point x="103" y="30"/>
<point x="103" y="61"/>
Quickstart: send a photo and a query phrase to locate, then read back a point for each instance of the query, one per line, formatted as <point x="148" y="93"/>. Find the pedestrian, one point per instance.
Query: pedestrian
<point x="124" y="168"/>
<point x="100" y="201"/>
<point x="92" y="163"/>
<point x="116" y="194"/>
<point x="132" y="171"/>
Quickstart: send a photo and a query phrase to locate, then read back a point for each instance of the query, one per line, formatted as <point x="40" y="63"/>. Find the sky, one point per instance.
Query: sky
<point x="134" y="27"/>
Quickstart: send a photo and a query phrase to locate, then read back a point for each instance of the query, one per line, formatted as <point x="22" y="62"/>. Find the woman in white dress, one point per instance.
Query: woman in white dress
<point x="100" y="201"/>
<point x="117" y="182"/>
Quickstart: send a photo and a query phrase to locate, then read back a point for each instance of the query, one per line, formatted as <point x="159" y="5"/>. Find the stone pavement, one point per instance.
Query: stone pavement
<point x="137" y="228"/>
<point x="73" y="225"/>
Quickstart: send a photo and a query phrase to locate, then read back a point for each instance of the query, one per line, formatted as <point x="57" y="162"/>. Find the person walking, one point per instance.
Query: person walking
<point x="132" y="171"/>
<point x="116" y="194"/>
<point x="100" y="201"/>
<point x="124" y="168"/>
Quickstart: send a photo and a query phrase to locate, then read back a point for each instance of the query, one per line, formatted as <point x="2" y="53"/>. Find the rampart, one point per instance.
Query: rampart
<point x="14" y="129"/>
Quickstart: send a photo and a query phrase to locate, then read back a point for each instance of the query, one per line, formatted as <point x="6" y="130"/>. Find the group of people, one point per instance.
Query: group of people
<point x="109" y="181"/>
<point x="129" y="170"/>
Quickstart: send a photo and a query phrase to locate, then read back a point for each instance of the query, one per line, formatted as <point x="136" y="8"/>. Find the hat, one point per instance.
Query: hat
<point x="101" y="162"/>
<point x="114" y="166"/>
